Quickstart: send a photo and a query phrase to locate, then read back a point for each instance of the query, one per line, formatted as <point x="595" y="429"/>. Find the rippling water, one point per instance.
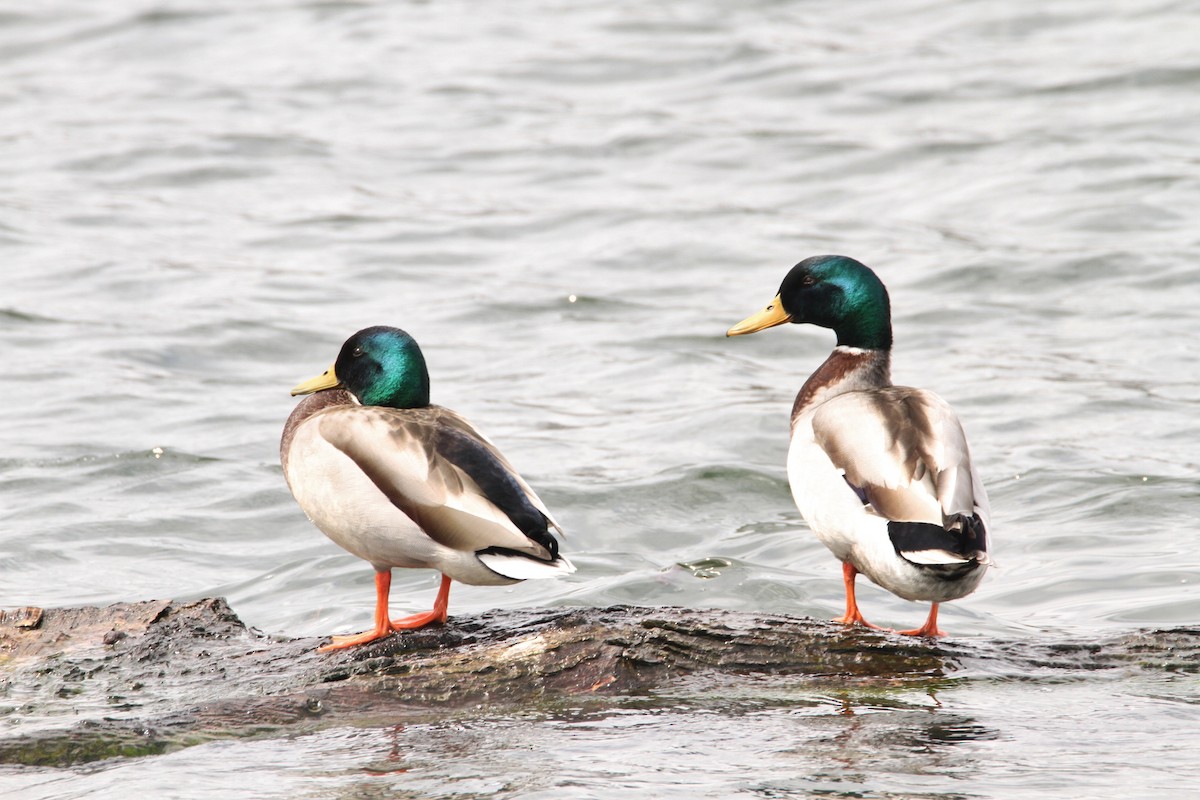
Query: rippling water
<point x="567" y="204"/>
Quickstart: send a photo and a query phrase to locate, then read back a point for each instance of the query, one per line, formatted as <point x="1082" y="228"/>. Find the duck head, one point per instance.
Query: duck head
<point x="834" y="292"/>
<point x="380" y="366"/>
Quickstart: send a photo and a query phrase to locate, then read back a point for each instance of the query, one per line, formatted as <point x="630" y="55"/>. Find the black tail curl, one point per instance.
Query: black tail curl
<point x="961" y="535"/>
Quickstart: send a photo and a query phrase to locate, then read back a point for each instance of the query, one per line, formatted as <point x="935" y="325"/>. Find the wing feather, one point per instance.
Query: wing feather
<point x="905" y="451"/>
<point x="455" y="420"/>
<point x="433" y="471"/>
<point x="904" y="447"/>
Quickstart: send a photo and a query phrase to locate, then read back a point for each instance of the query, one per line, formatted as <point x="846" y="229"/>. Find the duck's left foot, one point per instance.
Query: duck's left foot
<point x="438" y="615"/>
<point x="923" y="631"/>
<point x="342" y="642"/>
<point x="415" y="621"/>
<point x="857" y="619"/>
<point x="930" y="628"/>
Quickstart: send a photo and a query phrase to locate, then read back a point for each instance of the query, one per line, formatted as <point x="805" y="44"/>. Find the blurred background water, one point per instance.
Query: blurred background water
<point x="567" y="204"/>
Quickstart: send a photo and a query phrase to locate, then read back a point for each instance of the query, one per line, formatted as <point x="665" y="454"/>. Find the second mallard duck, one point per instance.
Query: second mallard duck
<point x="881" y="473"/>
<point x="399" y="482"/>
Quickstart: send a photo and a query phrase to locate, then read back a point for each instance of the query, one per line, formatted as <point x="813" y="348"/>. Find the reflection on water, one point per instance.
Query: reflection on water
<point x="768" y="737"/>
<point x="812" y="747"/>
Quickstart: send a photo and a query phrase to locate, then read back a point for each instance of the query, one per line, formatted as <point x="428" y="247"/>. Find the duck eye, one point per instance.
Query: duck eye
<point x="807" y="280"/>
<point x="358" y="351"/>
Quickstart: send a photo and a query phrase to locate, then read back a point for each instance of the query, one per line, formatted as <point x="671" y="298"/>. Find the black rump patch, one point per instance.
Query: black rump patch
<point x="962" y="535"/>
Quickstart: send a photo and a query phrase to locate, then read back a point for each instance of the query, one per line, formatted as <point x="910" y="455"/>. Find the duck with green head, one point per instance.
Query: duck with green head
<point x="400" y="482"/>
<point x="881" y="473"/>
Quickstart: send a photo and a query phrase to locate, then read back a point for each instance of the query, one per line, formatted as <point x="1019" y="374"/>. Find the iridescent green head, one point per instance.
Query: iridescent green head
<point x="834" y="292"/>
<point x="380" y="366"/>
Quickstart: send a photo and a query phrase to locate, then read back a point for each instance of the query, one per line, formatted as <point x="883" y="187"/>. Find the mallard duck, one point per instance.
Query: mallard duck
<point x="881" y="473"/>
<point x="400" y="482"/>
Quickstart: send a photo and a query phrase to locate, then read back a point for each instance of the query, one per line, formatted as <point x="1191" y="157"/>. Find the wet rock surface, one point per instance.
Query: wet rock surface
<point x="85" y="684"/>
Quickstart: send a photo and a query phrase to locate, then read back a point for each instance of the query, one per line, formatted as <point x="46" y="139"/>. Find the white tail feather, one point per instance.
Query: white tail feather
<point x="521" y="568"/>
<point x="932" y="557"/>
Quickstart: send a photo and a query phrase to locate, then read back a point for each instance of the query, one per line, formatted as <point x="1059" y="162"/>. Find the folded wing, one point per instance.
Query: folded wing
<point x="432" y="465"/>
<point x="904" y="453"/>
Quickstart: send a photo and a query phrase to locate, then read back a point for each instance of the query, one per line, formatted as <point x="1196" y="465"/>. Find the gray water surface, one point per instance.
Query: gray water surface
<point x="567" y="204"/>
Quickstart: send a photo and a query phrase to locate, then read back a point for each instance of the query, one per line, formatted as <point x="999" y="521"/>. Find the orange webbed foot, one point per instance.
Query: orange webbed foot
<point x="342" y="642"/>
<point x="439" y="614"/>
<point x="385" y="626"/>
<point x="852" y="616"/>
<point x="924" y="631"/>
<point x="415" y="621"/>
<point x="930" y="628"/>
<point x="848" y="619"/>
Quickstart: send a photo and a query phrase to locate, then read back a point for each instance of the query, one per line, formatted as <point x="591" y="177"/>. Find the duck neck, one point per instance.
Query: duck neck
<point x="868" y="327"/>
<point x="848" y="369"/>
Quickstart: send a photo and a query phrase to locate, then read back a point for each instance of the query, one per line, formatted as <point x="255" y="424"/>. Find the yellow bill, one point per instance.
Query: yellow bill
<point x="769" y="317"/>
<point x="326" y="380"/>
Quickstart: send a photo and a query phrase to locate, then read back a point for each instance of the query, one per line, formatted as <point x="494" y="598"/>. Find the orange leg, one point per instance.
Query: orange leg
<point x="853" y="616"/>
<point x="383" y="625"/>
<point x="930" y="627"/>
<point x="439" y="613"/>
